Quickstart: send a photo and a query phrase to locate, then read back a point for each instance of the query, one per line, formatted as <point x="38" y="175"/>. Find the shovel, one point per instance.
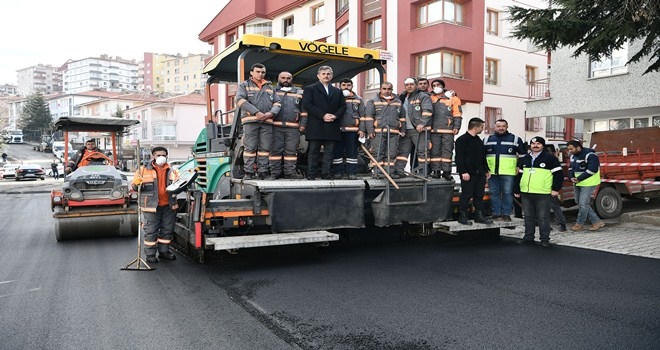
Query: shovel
<point x="387" y="176"/>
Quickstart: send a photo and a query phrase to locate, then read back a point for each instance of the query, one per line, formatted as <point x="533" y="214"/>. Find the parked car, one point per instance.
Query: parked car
<point x="9" y="170"/>
<point x="30" y="171"/>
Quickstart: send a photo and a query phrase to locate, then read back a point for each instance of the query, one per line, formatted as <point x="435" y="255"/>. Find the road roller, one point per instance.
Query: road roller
<point x="95" y="200"/>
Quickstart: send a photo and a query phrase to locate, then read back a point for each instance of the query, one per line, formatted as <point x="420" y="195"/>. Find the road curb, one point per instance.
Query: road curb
<point x="651" y="217"/>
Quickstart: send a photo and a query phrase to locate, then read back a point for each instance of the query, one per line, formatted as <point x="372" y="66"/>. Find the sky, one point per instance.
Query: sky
<point x="54" y="31"/>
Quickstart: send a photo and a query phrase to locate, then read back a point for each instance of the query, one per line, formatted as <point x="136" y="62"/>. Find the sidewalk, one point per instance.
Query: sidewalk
<point x="636" y="234"/>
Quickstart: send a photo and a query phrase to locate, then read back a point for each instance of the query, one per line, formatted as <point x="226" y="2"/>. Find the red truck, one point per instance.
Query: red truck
<point x="629" y="168"/>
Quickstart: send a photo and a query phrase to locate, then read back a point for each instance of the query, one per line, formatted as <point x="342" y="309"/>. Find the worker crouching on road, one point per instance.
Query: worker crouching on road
<point x="158" y="207"/>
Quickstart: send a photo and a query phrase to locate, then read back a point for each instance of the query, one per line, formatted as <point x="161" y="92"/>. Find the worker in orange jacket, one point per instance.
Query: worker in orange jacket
<point x="158" y="207"/>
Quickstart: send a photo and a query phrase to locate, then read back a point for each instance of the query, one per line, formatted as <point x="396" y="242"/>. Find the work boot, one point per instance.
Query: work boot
<point x="401" y="174"/>
<point x="463" y="219"/>
<point x="167" y="255"/>
<point x="248" y="176"/>
<point x="506" y="218"/>
<point x="395" y="175"/>
<point x="562" y="227"/>
<point x="152" y="259"/>
<point x="596" y="226"/>
<point x="480" y="218"/>
<point x="576" y="227"/>
<point x="546" y="244"/>
<point x="447" y="176"/>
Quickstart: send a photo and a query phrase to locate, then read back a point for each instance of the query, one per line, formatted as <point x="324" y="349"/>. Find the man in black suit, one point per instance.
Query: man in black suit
<point x="325" y="106"/>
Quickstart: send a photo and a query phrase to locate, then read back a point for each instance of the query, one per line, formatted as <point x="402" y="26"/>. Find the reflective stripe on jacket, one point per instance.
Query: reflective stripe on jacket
<point x="147" y="177"/>
<point x="540" y="175"/>
<point x="502" y="153"/>
<point x="585" y="166"/>
<point x="253" y="99"/>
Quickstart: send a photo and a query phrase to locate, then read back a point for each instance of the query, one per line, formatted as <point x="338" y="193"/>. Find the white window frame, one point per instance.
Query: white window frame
<point x="613" y="65"/>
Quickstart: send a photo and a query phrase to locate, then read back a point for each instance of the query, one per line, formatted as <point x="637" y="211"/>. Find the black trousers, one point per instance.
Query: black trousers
<point x="475" y="188"/>
<point x="314" y="155"/>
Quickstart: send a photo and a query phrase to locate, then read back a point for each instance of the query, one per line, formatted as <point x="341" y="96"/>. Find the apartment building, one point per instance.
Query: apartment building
<point x="44" y="79"/>
<point x="150" y="71"/>
<point x="182" y="75"/>
<point x="589" y="96"/>
<point x="8" y="89"/>
<point x="104" y="72"/>
<point x="173" y="122"/>
<point x="464" y="43"/>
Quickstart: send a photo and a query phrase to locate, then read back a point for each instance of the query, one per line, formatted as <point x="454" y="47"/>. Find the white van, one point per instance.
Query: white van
<point x="58" y="149"/>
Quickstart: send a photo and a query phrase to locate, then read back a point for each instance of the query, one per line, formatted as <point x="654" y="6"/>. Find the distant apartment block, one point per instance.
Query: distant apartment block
<point x="8" y="89"/>
<point x="183" y="75"/>
<point x="107" y="73"/>
<point x="45" y="79"/>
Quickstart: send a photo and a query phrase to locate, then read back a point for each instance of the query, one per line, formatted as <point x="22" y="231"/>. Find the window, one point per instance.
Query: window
<point x="641" y="122"/>
<point x="530" y="74"/>
<point x="342" y="6"/>
<point x="655" y="121"/>
<point x="318" y="14"/>
<point x="620" y="124"/>
<point x="600" y="125"/>
<point x="287" y="26"/>
<point x="373" y="79"/>
<point x="616" y="64"/>
<point x="374" y="31"/>
<point x="342" y="36"/>
<point x="492" y="114"/>
<point x="555" y="128"/>
<point x="493" y="22"/>
<point x="230" y="38"/>
<point x="532" y="124"/>
<point x="263" y="28"/>
<point x="439" y="64"/>
<point x="491" y="71"/>
<point x="164" y="132"/>
<point x="434" y="11"/>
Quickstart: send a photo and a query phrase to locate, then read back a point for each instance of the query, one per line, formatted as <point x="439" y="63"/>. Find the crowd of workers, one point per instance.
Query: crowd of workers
<point x="416" y="128"/>
<point x="336" y="120"/>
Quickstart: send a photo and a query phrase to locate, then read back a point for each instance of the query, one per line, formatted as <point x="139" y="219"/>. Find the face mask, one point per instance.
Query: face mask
<point x="449" y="93"/>
<point x="437" y="90"/>
<point x="346" y="93"/>
<point x="285" y="88"/>
<point x="161" y="160"/>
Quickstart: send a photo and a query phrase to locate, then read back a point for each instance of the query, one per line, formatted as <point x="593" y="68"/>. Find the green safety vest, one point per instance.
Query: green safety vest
<point x="593" y="180"/>
<point x="536" y="180"/>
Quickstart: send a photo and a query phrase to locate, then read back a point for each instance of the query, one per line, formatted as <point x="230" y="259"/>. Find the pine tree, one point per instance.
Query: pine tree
<point x="596" y="28"/>
<point x="35" y="115"/>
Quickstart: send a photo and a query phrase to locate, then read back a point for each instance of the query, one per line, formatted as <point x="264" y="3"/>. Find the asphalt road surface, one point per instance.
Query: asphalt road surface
<point x="376" y="292"/>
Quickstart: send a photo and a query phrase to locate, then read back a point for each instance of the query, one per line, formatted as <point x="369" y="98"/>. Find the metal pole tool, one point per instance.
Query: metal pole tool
<point x="389" y="178"/>
<point x="138" y="264"/>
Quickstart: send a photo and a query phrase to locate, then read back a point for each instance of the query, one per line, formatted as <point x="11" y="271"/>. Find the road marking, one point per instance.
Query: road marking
<point x="19" y="293"/>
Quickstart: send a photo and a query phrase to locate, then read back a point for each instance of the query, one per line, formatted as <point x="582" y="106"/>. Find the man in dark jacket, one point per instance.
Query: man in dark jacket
<point x="325" y="106"/>
<point x="473" y="169"/>
<point x="540" y="179"/>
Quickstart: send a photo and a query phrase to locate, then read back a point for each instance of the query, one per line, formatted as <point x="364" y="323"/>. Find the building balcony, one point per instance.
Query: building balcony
<point x="539" y="89"/>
